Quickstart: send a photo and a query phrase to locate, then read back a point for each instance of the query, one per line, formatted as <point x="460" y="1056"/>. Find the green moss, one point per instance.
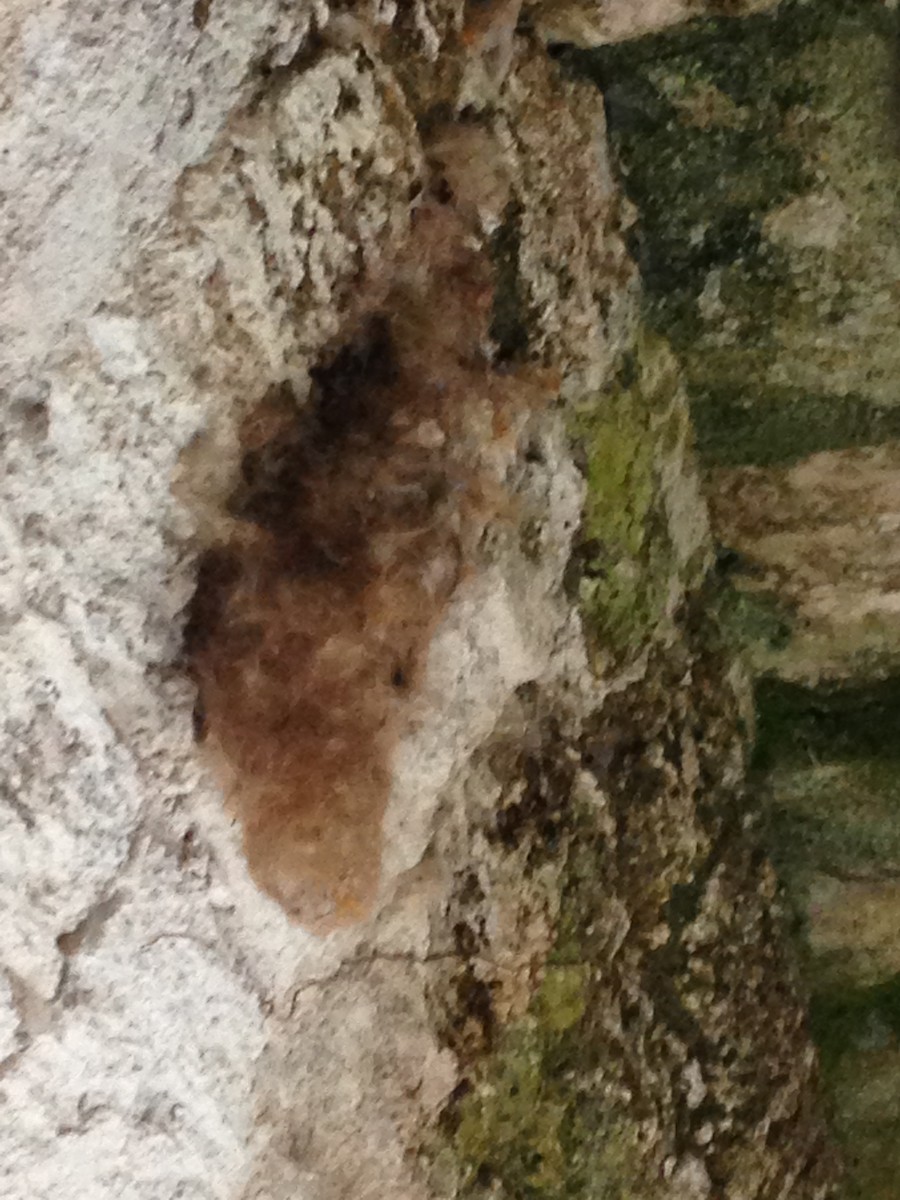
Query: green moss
<point x="619" y="452"/>
<point x="546" y="1116"/>
<point x="560" y="1002"/>
<point x="510" y="1127"/>
<point x="514" y="1125"/>
<point x="542" y="1121"/>
<point x="624" y="557"/>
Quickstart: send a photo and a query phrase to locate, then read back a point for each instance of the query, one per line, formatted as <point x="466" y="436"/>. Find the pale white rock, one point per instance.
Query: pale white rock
<point x="187" y="215"/>
<point x="696" y="1088"/>
<point x="690" y="1180"/>
<point x="108" y="105"/>
<point x="596" y="22"/>
<point x="819" y="220"/>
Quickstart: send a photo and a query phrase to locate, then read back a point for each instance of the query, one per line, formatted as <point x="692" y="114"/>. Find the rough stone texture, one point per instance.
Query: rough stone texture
<point x="829" y="752"/>
<point x="760" y="155"/>
<point x="200" y="204"/>
<point x="822" y="539"/>
<point x="857" y="919"/>
<point x="630" y="1068"/>
<point x="762" y="158"/>
<point x="597" y="22"/>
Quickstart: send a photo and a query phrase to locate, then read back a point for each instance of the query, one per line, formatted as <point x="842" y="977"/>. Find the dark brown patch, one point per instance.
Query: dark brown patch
<point x="353" y="518"/>
<point x="200" y="13"/>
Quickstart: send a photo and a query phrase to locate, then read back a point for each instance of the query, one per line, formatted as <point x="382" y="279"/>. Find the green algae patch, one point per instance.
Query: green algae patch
<point x="545" y="1118"/>
<point x="643" y="529"/>
<point x="560" y="1002"/>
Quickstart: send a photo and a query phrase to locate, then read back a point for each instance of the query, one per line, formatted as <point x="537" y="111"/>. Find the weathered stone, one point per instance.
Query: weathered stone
<point x="762" y="157"/>
<point x="596" y="22"/>
<point x="853" y="927"/>
<point x="820" y="537"/>
<point x="207" y="205"/>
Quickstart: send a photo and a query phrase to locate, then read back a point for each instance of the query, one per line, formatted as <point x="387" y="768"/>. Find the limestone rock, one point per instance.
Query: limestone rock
<point x="205" y="206"/>
<point x="596" y="22"/>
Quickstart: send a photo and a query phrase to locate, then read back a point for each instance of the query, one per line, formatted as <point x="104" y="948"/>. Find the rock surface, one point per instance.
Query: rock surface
<point x="597" y="22"/>
<point x="763" y="161"/>
<point x="203" y="207"/>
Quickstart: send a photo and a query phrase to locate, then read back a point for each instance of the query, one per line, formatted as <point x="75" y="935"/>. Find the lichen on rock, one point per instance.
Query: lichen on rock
<point x="763" y="160"/>
<point x="561" y="964"/>
<point x="632" y="1071"/>
<point x="643" y="537"/>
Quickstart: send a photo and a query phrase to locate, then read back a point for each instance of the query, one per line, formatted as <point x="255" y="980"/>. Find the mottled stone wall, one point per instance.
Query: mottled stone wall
<point x="562" y="974"/>
<point x="764" y="165"/>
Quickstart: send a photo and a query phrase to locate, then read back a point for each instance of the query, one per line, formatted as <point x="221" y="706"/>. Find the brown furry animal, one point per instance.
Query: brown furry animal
<point x="354" y="520"/>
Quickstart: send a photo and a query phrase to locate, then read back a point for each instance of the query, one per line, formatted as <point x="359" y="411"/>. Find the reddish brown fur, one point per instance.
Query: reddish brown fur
<point x="354" y="520"/>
